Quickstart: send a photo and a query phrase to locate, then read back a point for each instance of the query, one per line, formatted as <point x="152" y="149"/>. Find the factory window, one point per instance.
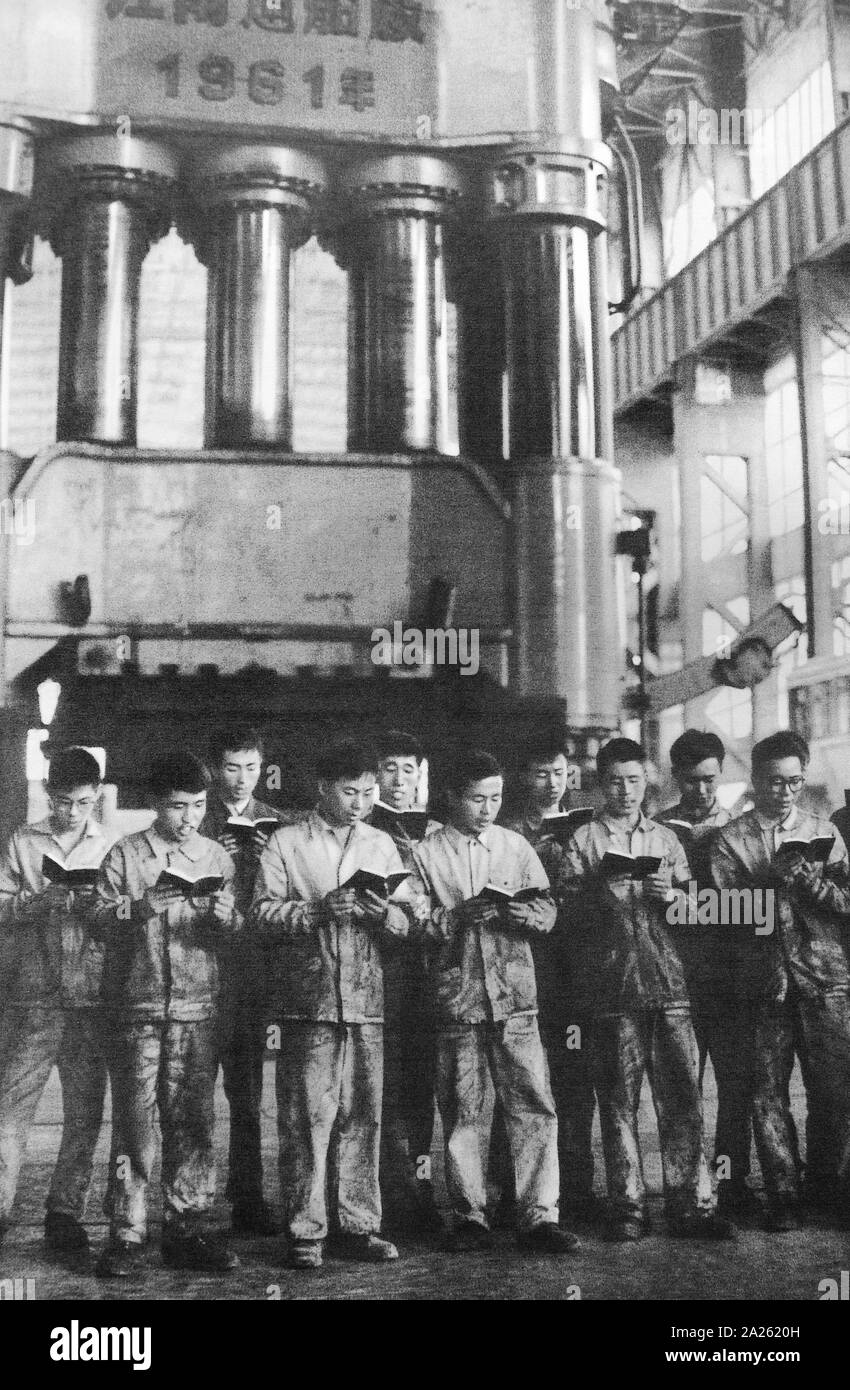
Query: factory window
<point x="725" y="520"/>
<point x="783" y="450"/>
<point x="791" y="130"/>
<point x="836" y="399"/>
<point x="691" y="227"/>
<point x="731" y="711"/>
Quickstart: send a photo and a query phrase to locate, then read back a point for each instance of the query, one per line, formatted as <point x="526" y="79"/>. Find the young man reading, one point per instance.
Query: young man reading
<point x="564" y="1027"/>
<point x="486" y="1006"/>
<point x="328" y="939"/>
<point x="795" y="975"/>
<point x="708" y="955"/>
<point x="51" y="994"/>
<point x="236" y="760"/>
<point x="407" y="1128"/>
<point x="628" y="970"/>
<point x="160" y="982"/>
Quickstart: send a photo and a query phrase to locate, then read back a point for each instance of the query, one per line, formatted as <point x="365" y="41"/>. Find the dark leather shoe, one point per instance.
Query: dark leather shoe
<point x="64" y="1234"/>
<point x="699" y="1225"/>
<point x="305" y="1254"/>
<point x="548" y="1239"/>
<point x="199" y="1250"/>
<point x="120" y="1259"/>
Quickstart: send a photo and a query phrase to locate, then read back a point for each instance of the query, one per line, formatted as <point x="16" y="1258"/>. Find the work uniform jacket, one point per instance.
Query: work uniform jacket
<point x="552" y="961"/>
<point x="625" y="954"/>
<point x="243" y="965"/>
<point x="704" y="950"/>
<point x="480" y="973"/>
<point x="404" y="963"/>
<point x="806" y="946"/>
<point x="159" y="966"/>
<point x="328" y="967"/>
<point x="47" y="954"/>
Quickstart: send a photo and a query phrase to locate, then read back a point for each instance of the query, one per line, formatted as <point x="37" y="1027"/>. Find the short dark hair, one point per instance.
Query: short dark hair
<point x="239" y="738"/>
<point x="543" y="748"/>
<point x="178" y="771"/>
<point x="783" y="744"/>
<point x="618" y="750"/>
<point x="396" y="741"/>
<point x="694" y="746"/>
<point x="345" y="757"/>
<point x="72" y="767"/>
<point x="470" y="767"/>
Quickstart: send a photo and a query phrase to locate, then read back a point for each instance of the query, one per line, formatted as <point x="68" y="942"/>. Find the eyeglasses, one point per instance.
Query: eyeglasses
<point x="778" y="784"/>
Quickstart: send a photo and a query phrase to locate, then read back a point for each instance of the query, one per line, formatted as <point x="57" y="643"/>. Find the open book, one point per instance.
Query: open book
<point x="199" y="886"/>
<point x="491" y="893"/>
<point x="814" y="851"/>
<point x="618" y="864"/>
<point x="382" y="884"/>
<point x="565" y="823"/>
<point x="244" y="829"/>
<point x="413" y="824"/>
<point x="57" y="872"/>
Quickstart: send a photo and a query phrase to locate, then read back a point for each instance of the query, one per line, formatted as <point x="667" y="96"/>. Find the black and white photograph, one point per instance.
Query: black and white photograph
<point x="425" y="666"/>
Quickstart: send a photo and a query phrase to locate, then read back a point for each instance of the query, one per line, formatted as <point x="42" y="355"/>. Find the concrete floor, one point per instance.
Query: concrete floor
<point x="754" y="1267"/>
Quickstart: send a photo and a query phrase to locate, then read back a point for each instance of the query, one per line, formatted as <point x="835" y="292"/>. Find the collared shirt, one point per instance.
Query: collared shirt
<point x="623" y="949"/>
<point x="329" y="969"/>
<point x="163" y="966"/>
<point x="482" y="972"/>
<point x="806" y="946"/>
<point x="46" y="953"/>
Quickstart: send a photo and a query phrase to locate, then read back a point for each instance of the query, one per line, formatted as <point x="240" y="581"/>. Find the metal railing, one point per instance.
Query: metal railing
<point x="801" y="218"/>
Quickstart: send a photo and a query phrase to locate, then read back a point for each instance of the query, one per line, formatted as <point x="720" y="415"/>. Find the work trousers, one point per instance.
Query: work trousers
<point x="34" y="1038"/>
<point x="510" y="1053"/>
<point x="329" y="1085"/>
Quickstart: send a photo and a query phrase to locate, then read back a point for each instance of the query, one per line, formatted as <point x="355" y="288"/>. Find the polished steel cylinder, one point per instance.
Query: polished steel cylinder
<point x="398" y="348"/>
<point x="548" y="210"/>
<point x="549" y="335"/>
<point x="249" y="386"/>
<point x="104" y="244"/>
<point x="254" y="205"/>
<point x="568" y="620"/>
<point x="109" y="199"/>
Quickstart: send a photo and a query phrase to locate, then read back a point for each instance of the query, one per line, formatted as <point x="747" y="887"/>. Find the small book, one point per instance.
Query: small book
<point x="636" y="866"/>
<point x="199" y="886"/>
<point x="243" y="828"/>
<point x="491" y="893"/>
<point x="382" y="884"/>
<point x="814" y="851"/>
<point x="562" y="826"/>
<point x="56" y="872"/>
<point x="412" y="824"/>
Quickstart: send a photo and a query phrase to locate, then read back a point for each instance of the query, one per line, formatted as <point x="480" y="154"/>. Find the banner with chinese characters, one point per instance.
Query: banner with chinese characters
<point x="359" y="66"/>
<point x="352" y="67"/>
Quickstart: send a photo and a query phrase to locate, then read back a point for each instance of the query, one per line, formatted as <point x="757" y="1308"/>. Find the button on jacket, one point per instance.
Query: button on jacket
<point x="162" y="967"/>
<point x="327" y="971"/>
<point x="807" y="942"/>
<point x="47" y="953"/>
<point x="483" y="973"/>
<point x="625" y="953"/>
